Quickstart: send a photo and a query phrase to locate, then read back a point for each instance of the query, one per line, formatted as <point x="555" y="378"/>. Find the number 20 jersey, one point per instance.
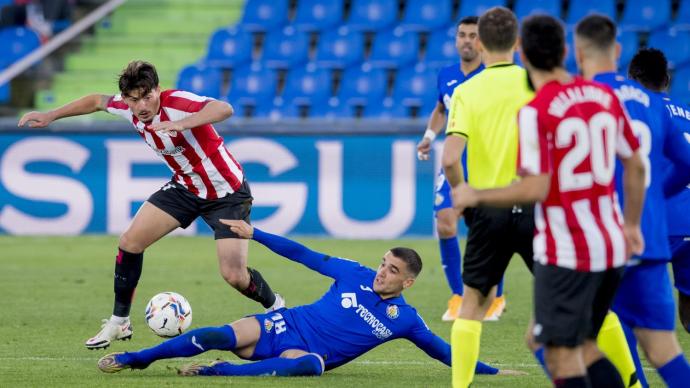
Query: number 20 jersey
<point x="573" y="131"/>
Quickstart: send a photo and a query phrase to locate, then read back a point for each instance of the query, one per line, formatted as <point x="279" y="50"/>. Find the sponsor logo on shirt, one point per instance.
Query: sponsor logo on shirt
<point x="175" y="151"/>
<point x="349" y="300"/>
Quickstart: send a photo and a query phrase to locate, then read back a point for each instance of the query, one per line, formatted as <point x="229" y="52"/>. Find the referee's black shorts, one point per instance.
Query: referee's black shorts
<point x="494" y="236"/>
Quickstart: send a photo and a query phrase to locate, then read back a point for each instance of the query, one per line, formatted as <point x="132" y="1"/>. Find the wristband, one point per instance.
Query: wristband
<point x="430" y="134"/>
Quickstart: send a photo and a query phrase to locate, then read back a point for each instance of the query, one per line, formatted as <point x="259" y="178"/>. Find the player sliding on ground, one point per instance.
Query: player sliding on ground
<point x="361" y="310"/>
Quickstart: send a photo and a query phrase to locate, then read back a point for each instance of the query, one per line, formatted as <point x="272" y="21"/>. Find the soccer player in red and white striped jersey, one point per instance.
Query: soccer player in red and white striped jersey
<point x="207" y="181"/>
<point x="570" y="134"/>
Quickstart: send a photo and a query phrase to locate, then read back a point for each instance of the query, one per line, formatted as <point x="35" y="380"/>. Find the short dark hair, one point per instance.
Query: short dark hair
<point x="498" y="29"/>
<point x="468" y="20"/>
<point x="138" y="75"/>
<point x="597" y="29"/>
<point x="543" y="41"/>
<point x="650" y="68"/>
<point x="410" y="257"/>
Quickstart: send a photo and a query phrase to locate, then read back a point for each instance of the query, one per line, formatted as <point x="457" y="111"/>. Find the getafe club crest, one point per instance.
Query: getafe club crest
<point x="392" y="311"/>
<point x="268" y="325"/>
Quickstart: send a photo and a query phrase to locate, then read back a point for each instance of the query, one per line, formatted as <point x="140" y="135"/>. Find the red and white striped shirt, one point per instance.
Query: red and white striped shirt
<point x="573" y="132"/>
<point x="197" y="156"/>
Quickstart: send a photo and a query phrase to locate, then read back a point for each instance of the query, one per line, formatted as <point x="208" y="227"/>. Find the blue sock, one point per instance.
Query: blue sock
<point x="484" y="369"/>
<point x="307" y="365"/>
<point x="499" y="289"/>
<point x="539" y="355"/>
<point x="632" y="344"/>
<point x="186" y="345"/>
<point x="676" y="373"/>
<point x="450" y="259"/>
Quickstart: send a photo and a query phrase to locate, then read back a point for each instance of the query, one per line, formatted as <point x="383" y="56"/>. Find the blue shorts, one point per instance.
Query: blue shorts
<point x="645" y="297"/>
<point x="442" y="196"/>
<point x="278" y="334"/>
<point x="680" y="256"/>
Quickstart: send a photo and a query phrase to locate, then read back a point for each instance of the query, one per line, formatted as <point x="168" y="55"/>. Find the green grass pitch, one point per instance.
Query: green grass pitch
<point x="55" y="291"/>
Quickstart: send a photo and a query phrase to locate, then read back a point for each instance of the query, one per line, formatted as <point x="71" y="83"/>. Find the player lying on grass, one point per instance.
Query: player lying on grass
<point x="361" y="310"/>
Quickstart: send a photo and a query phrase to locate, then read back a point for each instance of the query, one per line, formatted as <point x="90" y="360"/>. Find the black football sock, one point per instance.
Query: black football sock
<point x="602" y="374"/>
<point x="258" y="289"/>
<point x="128" y="268"/>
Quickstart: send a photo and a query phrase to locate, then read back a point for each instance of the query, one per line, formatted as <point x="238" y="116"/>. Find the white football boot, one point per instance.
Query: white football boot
<point x="110" y="331"/>
<point x="277" y="305"/>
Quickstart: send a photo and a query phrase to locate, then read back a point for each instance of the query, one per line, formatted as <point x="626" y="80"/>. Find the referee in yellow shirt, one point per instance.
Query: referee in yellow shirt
<point x="483" y="116"/>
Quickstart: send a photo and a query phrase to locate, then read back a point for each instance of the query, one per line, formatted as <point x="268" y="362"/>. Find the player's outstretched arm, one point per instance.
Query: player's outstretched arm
<point x="319" y="262"/>
<point x="213" y="112"/>
<point x="82" y="106"/>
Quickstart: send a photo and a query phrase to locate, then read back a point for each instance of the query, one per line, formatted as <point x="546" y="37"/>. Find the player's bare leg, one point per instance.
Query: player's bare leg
<point x="565" y="362"/>
<point x="232" y="262"/>
<point x="148" y="226"/>
<point x="660" y="346"/>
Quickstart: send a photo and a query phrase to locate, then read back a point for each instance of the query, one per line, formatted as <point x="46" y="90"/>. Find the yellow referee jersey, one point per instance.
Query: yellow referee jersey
<point x="484" y="109"/>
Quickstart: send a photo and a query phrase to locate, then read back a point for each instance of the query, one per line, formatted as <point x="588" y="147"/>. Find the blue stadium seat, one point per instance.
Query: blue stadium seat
<point x="427" y="15"/>
<point x="680" y="85"/>
<point x="683" y="14"/>
<point x="5" y="93"/>
<point x="285" y="48"/>
<point x="318" y="15"/>
<point x="570" y="63"/>
<point x="645" y="15"/>
<point x="264" y="15"/>
<point x="529" y="7"/>
<point x="340" y="49"/>
<point x="478" y="7"/>
<point x="229" y="48"/>
<point x="674" y="43"/>
<point x="372" y="15"/>
<point x="333" y="109"/>
<point x="414" y="86"/>
<point x="17" y="42"/>
<point x="440" y="48"/>
<point x="630" y="42"/>
<point x="284" y="110"/>
<point x="388" y="109"/>
<point x="580" y="9"/>
<point x="253" y="86"/>
<point x="394" y="49"/>
<point x="363" y="85"/>
<point x="201" y="80"/>
<point x="307" y="85"/>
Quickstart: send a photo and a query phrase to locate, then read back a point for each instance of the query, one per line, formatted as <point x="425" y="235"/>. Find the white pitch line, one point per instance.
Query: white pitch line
<point x="361" y="362"/>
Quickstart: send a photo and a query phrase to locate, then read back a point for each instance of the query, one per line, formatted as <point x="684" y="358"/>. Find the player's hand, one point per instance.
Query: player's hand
<point x="634" y="241"/>
<point x="464" y="196"/>
<point x="169" y="127"/>
<point x="423" y="149"/>
<point x="239" y="227"/>
<point x="36" y="119"/>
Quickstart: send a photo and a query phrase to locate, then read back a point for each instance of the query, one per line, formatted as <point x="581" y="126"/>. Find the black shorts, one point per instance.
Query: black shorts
<point x="494" y="236"/>
<point x="185" y="207"/>
<point x="570" y="306"/>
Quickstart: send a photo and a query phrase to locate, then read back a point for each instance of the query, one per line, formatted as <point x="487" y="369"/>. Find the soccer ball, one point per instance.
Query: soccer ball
<point x="168" y="314"/>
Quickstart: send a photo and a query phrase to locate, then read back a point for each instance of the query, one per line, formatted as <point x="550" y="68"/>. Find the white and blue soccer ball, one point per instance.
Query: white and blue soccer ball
<point x="168" y="314"/>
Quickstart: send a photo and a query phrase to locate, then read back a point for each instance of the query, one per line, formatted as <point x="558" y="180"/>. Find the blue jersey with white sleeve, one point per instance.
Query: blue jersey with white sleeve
<point x="658" y="140"/>
<point x="350" y="318"/>
<point x="677" y="205"/>
<point x="449" y="78"/>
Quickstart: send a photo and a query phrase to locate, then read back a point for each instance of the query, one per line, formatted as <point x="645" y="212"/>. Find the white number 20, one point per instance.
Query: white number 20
<point x="596" y="139"/>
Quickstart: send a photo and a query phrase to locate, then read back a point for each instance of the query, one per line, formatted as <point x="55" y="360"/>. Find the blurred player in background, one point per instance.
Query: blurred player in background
<point x="207" y="181"/>
<point x="466" y="42"/>
<point x="482" y="115"/>
<point x="644" y="300"/>
<point x="570" y="134"/>
<point x="361" y="310"/>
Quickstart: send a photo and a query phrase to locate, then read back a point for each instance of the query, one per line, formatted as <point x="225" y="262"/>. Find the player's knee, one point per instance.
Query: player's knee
<point x="446" y="229"/>
<point x="130" y="243"/>
<point x="658" y="356"/>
